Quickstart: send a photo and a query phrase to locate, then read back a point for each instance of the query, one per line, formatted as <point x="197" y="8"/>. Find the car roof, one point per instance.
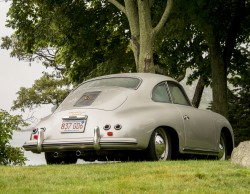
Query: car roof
<point x="151" y="77"/>
<point x="148" y="80"/>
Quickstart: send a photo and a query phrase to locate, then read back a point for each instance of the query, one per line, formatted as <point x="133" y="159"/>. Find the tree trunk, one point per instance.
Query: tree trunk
<point x="146" y="63"/>
<point x="239" y="14"/>
<point x="221" y="60"/>
<point x="133" y="20"/>
<point x="219" y="78"/>
<point x="142" y="32"/>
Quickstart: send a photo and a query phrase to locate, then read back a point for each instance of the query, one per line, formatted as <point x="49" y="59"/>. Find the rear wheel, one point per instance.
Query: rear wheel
<point x="159" y="145"/>
<point x="222" y="148"/>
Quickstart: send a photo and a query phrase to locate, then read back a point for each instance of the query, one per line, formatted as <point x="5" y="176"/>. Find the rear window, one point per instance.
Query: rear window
<point x="82" y="97"/>
<point x="125" y="82"/>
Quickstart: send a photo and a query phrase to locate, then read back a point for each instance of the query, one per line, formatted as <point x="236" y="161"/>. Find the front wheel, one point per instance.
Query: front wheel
<point x="222" y="148"/>
<point x="159" y="145"/>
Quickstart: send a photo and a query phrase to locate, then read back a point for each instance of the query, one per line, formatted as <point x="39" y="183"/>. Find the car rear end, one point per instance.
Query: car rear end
<point x="86" y="123"/>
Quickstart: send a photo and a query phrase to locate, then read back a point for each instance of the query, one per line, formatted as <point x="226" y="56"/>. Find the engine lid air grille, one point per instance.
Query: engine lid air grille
<point x="87" y="99"/>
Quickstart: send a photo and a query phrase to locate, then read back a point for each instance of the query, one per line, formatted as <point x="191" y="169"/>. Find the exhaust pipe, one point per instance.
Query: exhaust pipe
<point x="78" y="153"/>
<point x="56" y="155"/>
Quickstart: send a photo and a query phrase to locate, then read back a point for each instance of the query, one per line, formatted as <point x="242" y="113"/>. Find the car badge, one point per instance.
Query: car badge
<point x="76" y="114"/>
<point x="87" y="98"/>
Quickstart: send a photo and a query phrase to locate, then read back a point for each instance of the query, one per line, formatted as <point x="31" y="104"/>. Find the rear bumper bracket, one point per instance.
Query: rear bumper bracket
<point x="40" y="139"/>
<point x="97" y="137"/>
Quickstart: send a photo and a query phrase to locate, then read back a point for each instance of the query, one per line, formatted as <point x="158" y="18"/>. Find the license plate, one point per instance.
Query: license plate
<point x="73" y="125"/>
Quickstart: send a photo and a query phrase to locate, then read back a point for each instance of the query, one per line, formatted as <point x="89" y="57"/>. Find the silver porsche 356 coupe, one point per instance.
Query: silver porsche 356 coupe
<point x="130" y="116"/>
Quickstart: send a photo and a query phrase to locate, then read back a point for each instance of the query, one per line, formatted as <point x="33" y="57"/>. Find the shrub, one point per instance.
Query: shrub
<point x="10" y="155"/>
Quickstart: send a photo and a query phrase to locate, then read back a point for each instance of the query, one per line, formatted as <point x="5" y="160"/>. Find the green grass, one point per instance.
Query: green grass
<point x="138" y="177"/>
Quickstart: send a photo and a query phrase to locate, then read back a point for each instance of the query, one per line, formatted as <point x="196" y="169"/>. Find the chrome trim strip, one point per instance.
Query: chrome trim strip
<point x="82" y="143"/>
<point x="199" y="151"/>
<point x="77" y="117"/>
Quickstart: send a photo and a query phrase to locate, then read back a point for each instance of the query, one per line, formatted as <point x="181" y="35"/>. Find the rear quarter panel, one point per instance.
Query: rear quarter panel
<point x="141" y="118"/>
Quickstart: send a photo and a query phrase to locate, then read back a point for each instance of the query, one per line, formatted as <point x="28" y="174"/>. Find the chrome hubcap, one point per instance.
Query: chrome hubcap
<point x="222" y="150"/>
<point x="160" y="146"/>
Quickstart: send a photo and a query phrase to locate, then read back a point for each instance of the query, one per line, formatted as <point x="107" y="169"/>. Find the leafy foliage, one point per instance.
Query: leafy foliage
<point x="82" y="38"/>
<point x="222" y="24"/>
<point x="181" y="50"/>
<point x="9" y="155"/>
<point x="239" y="107"/>
<point x="46" y="90"/>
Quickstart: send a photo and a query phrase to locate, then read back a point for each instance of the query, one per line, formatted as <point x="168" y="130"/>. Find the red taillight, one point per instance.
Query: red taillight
<point x="35" y="136"/>
<point x="110" y="133"/>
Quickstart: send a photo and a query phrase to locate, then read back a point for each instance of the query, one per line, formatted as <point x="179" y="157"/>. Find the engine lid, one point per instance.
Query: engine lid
<point x="104" y="99"/>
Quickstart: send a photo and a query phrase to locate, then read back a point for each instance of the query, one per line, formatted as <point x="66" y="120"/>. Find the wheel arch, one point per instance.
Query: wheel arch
<point x="229" y="140"/>
<point x="174" y="140"/>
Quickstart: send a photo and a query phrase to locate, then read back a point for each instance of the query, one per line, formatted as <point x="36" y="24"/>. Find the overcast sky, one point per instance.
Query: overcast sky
<point x="13" y="73"/>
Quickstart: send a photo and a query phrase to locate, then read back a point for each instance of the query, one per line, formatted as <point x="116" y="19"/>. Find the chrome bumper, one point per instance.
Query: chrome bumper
<point x="95" y="143"/>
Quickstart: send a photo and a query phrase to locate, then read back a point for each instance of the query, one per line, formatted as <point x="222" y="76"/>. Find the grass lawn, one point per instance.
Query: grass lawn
<point x="129" y="177"/>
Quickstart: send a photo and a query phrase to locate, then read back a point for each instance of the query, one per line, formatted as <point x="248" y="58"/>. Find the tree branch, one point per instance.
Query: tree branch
<point x="118" y="5"/>
<point x="198" y="92"/>
<point x="164" y="17"/>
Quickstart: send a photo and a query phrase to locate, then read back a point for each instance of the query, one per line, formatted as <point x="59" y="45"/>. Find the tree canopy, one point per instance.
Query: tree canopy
<point x="81" y="38"/>
<point x="239" y="106"/>
<point x="224" y="26"/>
<point x="84" y="39"/>
<point x="46" y="90"/>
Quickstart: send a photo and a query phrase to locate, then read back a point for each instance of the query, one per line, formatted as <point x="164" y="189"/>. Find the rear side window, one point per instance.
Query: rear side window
<point x="177" y="94"/>
<point x="160" y="93"/>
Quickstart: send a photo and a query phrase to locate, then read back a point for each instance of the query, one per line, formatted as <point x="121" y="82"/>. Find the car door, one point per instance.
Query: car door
<point x="198" y="124"/>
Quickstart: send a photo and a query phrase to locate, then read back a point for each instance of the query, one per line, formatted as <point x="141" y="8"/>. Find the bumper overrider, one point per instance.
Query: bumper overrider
<point x="95" y="143"/>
